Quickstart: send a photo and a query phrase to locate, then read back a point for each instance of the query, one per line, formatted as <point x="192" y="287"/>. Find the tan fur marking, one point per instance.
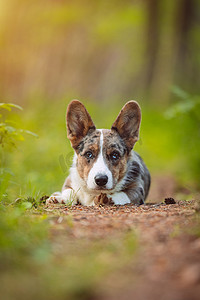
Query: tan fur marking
<point x="112" y="142"/>
<point x="93" y="145"/>
<point x="67" y="184"/>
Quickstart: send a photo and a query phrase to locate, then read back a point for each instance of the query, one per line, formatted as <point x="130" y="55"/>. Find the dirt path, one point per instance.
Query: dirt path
<point x="166" y="264"/>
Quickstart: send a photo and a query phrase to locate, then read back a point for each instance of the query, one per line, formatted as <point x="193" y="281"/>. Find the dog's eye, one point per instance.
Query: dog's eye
<point x="115" y="156"/>
<point x="89" y="155"/>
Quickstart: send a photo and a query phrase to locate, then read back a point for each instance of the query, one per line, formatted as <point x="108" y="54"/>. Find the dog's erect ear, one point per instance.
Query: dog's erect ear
<point x="79" y="122"/>
<point x="127" y="123"/>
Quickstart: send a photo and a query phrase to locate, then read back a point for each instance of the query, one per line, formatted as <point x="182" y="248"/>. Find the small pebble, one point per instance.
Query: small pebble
<point x="170" y="201"/>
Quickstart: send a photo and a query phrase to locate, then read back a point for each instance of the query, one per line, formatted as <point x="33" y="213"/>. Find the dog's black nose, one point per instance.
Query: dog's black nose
<point x="101" y="180"/>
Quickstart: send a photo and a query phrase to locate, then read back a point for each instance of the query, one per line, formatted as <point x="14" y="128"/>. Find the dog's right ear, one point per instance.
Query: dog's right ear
<point x="79" y="122"/>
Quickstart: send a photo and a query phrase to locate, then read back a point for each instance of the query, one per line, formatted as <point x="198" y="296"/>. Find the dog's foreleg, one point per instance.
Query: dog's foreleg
<point x="120" y="198"/>
<point x="67" y="196"/>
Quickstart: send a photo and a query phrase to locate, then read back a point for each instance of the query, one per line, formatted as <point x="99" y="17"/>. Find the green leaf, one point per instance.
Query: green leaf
<point x="8" y="106"/>
<point x="10" y="129"/>
<point x="26" y="205"/>
<point x="179" y="108"/>
<point x="6" y="171"/>
<point x="18" y="137"/>
<point x="180" y="93"/>
<point x="11" y="122"/>
<point x="29" y="132"/>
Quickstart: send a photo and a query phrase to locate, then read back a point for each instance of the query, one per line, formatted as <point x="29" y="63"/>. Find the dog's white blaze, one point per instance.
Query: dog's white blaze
<point x="100" y="167"/>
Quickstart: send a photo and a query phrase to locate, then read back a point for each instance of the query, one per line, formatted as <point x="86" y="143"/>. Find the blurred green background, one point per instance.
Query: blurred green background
<point x="103" y="53"/>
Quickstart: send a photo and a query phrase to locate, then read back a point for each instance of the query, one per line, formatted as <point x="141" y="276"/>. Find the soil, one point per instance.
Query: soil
<point x="167" y="263"/>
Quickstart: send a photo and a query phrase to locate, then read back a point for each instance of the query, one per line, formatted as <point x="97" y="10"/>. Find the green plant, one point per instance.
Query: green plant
<point x="10" y="135"/>
<point x="185" y="114"/>
<point x="22" y="237"/>
<point x="187" y="104"/>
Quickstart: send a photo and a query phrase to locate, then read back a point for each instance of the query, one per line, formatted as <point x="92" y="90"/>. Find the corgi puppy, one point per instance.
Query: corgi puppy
<point x="105" y="169"/>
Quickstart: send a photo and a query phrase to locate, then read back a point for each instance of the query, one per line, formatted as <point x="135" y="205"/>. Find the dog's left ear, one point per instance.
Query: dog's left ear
<point x="79" y="122"/>
<point x="127" y="123"/>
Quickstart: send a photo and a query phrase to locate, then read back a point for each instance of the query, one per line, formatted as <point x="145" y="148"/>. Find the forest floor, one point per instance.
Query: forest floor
<point x="109" y="252"/>
<point x="163" y="259"/>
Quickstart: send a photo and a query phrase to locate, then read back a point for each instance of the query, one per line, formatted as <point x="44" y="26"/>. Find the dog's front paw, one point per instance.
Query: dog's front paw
<point x="103" y="199"/>
<point x="54" y="198"/>
<point x="66" y="197"/>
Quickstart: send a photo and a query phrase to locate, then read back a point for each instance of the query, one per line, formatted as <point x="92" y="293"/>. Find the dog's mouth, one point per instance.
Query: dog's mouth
<point x="97" y="190"/>
<point x="103" y="189"/>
